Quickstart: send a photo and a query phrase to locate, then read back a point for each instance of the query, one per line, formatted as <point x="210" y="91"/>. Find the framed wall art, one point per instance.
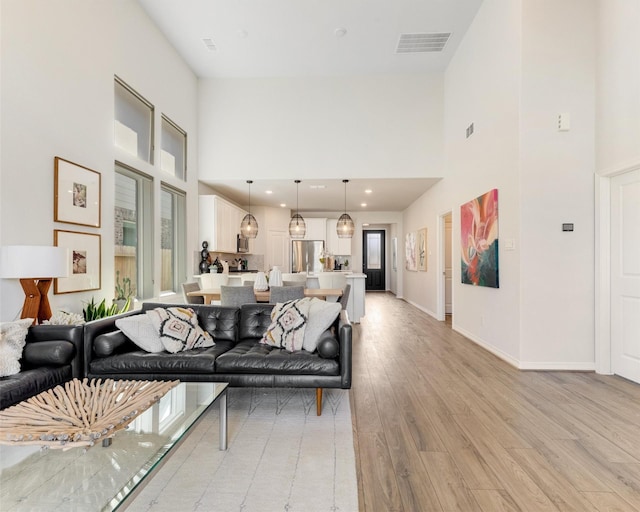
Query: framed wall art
<point x="76" y="194"/>
<point x="84" y="261"/>
<point x="421" y="248"/>
<point x="479" y="240"/>
<point x="410" y="251"/>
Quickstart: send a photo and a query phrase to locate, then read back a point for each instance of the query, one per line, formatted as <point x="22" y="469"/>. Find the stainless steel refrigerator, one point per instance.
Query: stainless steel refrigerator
<point x="305" y="255"/>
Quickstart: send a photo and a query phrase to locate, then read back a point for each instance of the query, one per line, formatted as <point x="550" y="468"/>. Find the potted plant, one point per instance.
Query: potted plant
<point x="95" y="311"/>
<point x="124" y="292"/>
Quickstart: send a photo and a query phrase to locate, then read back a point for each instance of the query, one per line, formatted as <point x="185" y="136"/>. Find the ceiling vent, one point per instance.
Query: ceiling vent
<point x="209" y="44"/>
<point x="422" y="43"/>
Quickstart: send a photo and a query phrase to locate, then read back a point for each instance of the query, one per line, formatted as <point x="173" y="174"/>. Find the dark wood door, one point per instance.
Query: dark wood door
<point x="373" y="257"/>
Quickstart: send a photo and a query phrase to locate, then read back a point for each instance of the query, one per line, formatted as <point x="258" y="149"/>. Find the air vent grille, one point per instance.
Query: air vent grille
<point x="422" y="43"/>
<point x="209" y="44"/>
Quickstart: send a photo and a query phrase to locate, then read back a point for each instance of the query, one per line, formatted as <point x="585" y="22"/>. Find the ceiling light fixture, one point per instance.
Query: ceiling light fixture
<point x="297" y="226"/>
<point x="249" y="224"/>
<point x="345" y="227"/>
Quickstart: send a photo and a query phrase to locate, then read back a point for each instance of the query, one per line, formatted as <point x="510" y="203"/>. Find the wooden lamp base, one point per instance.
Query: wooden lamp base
<point x="36" y="301"/>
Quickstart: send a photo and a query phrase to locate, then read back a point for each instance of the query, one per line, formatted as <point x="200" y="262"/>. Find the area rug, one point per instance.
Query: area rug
<point x="281" y="458"/>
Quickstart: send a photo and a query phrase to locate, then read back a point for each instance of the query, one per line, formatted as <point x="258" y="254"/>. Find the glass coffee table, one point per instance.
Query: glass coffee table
<point x="102" y="477"/>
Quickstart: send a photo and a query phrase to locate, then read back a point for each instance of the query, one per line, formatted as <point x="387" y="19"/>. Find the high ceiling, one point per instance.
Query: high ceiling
<point x="286" y="38"/>
<point x="328" y="195"/>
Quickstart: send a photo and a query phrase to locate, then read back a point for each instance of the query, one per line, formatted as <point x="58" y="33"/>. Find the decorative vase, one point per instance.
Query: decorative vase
<point x="275" y="277"/>
<point x="260" y="284"/>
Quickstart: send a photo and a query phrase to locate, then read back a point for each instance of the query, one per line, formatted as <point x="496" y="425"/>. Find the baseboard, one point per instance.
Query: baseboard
<point x="586" y="366"/>
<point x="421" y="308"/>
<point x="571" y="367"/>
<point x="487" y="346"/>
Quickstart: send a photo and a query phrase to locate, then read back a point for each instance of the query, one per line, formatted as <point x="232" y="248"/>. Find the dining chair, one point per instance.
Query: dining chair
<point x="285" y="293"/>
<point x="236" y="296"/>
<point x="344" y="298"/>
<point x="332" y="280"/>
<point x="191" y="287"/>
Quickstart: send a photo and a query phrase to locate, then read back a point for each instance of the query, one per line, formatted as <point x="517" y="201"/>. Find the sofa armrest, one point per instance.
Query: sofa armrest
<point x="94" y="329"/>
<point x="345" y="333"/>
<point x="73" y="334"/>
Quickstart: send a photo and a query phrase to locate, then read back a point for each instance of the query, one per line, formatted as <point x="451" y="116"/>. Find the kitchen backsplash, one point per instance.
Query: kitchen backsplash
<point x="254" y="261"/>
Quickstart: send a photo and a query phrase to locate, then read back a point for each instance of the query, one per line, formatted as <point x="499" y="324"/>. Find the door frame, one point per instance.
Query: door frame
<point x="602" y="302"/>
<point x="440" y="282"/>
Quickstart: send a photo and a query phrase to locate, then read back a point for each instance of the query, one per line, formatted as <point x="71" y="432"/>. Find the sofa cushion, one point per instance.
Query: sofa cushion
<point x="250" y="356"/>
<point x="140" y="330"/>
<point x="195" y="361"/>
<point x="254" y="320"/>
<point x="12" y="340"/>
<point x="220" y="322"/>
<point x="179" y="329"/>
<point x="18" y="387"/>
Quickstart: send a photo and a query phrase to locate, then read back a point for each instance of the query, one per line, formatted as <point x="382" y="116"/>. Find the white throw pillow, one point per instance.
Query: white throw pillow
<point x="322" y="314"/>
<point x="12" y="341"/>
<point x="140" y="330"/>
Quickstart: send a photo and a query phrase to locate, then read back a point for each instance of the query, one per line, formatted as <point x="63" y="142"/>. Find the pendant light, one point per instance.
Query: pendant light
<point x="249" y="224"/>
<point x="297" y="226"/>
<point x="345" y="227"/>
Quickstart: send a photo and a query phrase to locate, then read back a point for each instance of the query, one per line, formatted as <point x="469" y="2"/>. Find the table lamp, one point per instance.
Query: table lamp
<point x="35" y="266"/>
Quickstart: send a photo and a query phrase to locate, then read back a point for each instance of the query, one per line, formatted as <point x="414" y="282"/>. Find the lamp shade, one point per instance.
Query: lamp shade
<point x="33" y="262"/>
<point x="297" y="226"/>
<point x="249" y="226"/>
<point x="345" y="226"/>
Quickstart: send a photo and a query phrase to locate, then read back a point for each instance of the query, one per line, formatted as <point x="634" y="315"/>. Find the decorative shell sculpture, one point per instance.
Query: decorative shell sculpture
<point x="79" y="413"/>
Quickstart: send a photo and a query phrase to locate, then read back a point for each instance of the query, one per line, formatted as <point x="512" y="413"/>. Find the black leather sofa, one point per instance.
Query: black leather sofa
<point x="237" y="357"/>
<point x="52" y="355"/>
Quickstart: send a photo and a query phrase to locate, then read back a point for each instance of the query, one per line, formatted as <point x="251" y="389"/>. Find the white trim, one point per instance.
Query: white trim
<point x="586" y="366"/>
<point x="602" y="303"/>
<point x="421" y="308"/>
<point x="487" y="346"/>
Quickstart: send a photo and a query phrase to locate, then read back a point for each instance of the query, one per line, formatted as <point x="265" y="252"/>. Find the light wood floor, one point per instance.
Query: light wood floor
<point x="441" y="425"/>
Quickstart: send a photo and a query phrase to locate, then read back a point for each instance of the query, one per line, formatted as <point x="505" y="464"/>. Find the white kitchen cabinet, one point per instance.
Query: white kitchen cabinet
<point x="336" y="245"/>
<point x="316" y="229"/>
<point x="219" y="223"/>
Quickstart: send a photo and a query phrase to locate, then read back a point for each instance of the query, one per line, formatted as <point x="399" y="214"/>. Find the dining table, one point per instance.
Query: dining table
<point x="211" y="294"/>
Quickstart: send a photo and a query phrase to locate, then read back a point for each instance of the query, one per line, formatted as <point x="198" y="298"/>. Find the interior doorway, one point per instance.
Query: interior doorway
<point x="373" y="259"/>
<point x="625" y="275"/>
<point x="445" y="268"/>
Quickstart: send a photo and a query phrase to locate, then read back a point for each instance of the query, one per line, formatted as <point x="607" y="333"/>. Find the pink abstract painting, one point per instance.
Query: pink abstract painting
<point x="479" y="240"/>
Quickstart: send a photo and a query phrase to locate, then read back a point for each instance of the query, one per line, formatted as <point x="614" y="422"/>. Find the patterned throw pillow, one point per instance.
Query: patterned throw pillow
<point x="179" y="329"/>
<point x="12" y="341"/>
<point x="288" y="323"/>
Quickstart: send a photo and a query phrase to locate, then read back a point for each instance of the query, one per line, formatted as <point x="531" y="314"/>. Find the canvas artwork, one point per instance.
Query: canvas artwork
<point x="410" y="252"/>
<point x="421" y="248"/>
<point x="479" y="240"/>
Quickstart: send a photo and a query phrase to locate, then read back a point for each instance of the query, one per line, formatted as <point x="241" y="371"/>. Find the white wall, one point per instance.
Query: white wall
<point x="557" y="169"/>
<point x="58" y="63"/>
<point x="519" y="65"/>
<point x="375" y="126"/>
<point x="618" y="86"/>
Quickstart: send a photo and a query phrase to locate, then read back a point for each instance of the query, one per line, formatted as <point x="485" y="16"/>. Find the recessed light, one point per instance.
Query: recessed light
<point x="268" y="191"/>
<point x="282" y="205"/>
<point x="363" y="204"/>
<point x="368" y="191"/>
<point x="365" y="224"/>
<point x="317" y="186"/>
